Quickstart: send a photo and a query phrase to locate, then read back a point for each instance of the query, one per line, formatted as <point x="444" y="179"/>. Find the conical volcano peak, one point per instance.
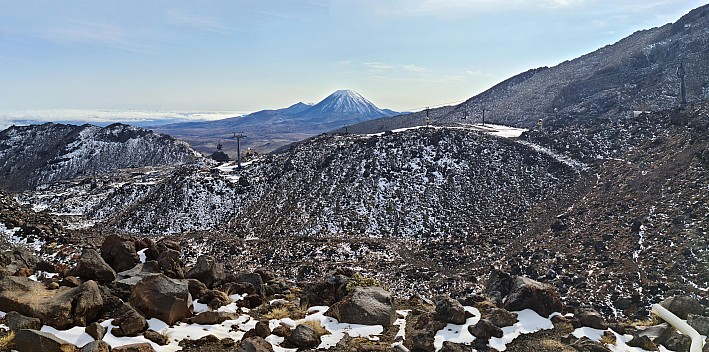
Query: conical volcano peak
<point x="347" y="101"/>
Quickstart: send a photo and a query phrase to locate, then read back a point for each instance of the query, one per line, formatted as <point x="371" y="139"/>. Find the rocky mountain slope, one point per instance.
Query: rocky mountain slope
<point x="637" y="73"/>
<point x="267" y="130"/>
<point x="611" y="212"/>
<point x="36" y="155"/>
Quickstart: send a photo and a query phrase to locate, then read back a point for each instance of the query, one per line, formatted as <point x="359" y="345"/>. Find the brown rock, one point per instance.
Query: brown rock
<point x="156" y="337"/>
<point x="527" y="293"/>
<point x="158" y="296"/>
<point x="96" y="346"/>
<point x="136" y="347"/>
<point x="92" y="267"/>
<point x="119" y="252"/>
<point x="27" y="340"/>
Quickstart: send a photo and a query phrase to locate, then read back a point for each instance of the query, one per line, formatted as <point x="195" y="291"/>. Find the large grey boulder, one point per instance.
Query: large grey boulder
<point x="207" y="270"/>
<point x="92" y="267"/>
<point x="254" y="344"/>
<point x="303" y="336"/>
<point x="61" y="308"/>
<point x="681" y="306"/>
<point x="529" y="294"/>
<point x="28" y="340"/>
<point x="158" y="296"/>
<point x="699" y="323"/>
<point x="365" y="305"/>
<point x="119" y="252"/>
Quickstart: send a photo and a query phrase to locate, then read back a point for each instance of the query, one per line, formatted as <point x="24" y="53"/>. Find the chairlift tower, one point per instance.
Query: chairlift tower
<point x="238" y="136"/>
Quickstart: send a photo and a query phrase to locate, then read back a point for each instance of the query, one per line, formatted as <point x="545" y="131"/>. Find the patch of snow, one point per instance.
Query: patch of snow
<point x="591" y="333"/>
<point x="76" y="335"/>
<point x="457" y="333"/>
<point x="528" y="322"/>
<point x="141" y="254"/>
<point x="401" y="323"/>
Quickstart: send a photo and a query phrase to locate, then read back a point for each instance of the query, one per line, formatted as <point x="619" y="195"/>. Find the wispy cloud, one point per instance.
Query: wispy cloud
<point x="478" y="73"/>
<point x="377" y="66"/>
<point x="383" y="71"/>
<point x="211" y="24"/>
<point x="458" y="8"/>
<point x="84" y="32"/>
<point x="414" y="68"/>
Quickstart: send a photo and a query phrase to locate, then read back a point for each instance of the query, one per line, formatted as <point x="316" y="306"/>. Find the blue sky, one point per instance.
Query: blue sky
<point x="246" y="55"/>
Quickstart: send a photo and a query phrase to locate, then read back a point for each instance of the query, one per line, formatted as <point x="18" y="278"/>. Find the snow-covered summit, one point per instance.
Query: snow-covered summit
<point x="346" y="101"/>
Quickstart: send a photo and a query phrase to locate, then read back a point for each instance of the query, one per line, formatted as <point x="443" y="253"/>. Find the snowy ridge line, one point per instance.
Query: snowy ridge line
<point x="495" y="130"/>
<point x="575" y="164"/>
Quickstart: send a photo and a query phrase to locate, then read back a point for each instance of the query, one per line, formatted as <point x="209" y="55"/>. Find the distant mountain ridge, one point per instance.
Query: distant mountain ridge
<point x="638" y="73"/>
<point x="36" y="155"/>
<point x="267" y="130"/>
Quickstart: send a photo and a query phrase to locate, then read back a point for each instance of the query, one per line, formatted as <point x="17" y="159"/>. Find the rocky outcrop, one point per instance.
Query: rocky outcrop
<point x="365" y="305"/>
<point x="158" y="296"/>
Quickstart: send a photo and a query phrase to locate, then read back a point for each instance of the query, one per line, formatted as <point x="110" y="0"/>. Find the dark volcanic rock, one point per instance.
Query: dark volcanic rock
<point x="62" y="308"/>
<point x="484" y="330"/>
<point x="254" y="344"/>
<point x="170" y="264"/>
<point x="303" y="336"/>
<point x="160" y="297"/>
<point x="96" y="346"/>
<point x="365" y="305"/>
<point x="119" y="252"/>
<point x="681" y="306"/>
<point x="16" y="321"/>
<point x="326" y="292"/>
<point x="129" y="321"/>
<point x="92" y="267"/>
<point x="96" y="330"/>
<point x="136" y="347"/>
<point x="27" y="340"/>
<point x="591" y="318"/>
<point x="527" y="293"/>
<point x="207" y="270"/>
<point x="449" y="310"/>
<point x="502" y="317"/>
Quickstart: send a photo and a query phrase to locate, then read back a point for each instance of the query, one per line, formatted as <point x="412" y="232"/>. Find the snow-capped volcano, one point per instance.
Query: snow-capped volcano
<point x="346" y="101"/>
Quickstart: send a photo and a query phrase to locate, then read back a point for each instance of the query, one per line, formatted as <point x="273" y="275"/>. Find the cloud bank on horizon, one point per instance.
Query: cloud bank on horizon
<point x="248" y="55"/>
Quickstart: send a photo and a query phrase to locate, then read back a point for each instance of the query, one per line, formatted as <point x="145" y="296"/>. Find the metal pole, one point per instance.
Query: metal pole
<point x="483" y="116"/>
<point x="238" y="147"/>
